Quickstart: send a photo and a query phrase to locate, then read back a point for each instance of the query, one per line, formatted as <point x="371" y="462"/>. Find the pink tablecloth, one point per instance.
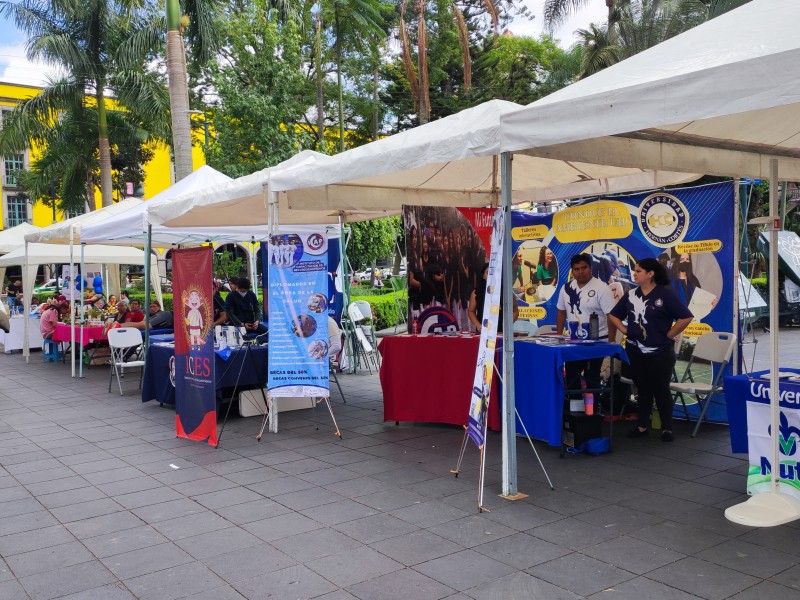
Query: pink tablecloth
<point x="83" y="335"/>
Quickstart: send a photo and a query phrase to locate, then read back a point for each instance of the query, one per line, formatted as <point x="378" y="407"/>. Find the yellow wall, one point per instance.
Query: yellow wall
<point x="158" y="173"/>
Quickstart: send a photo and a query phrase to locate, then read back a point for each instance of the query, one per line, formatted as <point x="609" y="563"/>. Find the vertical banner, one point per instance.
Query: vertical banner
<point x="689" y="230"/>
<point x="759" y="475"/>
<point x="484" y="369"/>
<point x="298" y="315"/>
<point x="193" y="304"/>
<point x="68" y="279"/>
<point x="445" y="253"/>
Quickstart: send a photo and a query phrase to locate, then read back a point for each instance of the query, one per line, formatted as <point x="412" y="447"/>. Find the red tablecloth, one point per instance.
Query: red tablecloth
<point x="83" y="335"/>
<point x="428" y="379"/>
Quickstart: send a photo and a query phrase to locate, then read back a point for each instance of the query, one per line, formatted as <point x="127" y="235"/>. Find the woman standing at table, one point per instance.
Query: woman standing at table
<point x="655" y="317"/>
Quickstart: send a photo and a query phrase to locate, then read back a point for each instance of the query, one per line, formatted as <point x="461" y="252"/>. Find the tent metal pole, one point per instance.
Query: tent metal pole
<point x="737" y="273"/>
<point x="27" y="296"/>
<point x="509" y="405"/>
<point x="774" y="320"/>
<point x="148" y="241"/>
<point x="81" y="291"/>
<point x="72" y="296"/>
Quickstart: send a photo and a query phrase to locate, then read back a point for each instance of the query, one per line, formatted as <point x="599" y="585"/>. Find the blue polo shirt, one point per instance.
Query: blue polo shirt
<point x="650" y="317"/>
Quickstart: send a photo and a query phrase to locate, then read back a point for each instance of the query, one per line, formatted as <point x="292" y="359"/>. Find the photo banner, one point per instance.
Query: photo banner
<point x="297" y="267"/>
<point x="193" y="304"/>
<point x="689" y="230"/>
<point x="484" y="368"/>
<point x="446" y="249"/>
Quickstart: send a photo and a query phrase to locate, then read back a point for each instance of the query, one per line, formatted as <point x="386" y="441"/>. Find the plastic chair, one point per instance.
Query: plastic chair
<point x="122" y="342"/>
<point x="366" y="342"/>
<point x="51" y="350"/>
<point x="399" y="285"/>
<point x="715" y="347"/>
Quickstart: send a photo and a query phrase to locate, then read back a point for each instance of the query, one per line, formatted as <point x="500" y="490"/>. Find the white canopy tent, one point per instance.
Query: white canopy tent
<point x="69" y="230"/>
<point x="13" y="238"/>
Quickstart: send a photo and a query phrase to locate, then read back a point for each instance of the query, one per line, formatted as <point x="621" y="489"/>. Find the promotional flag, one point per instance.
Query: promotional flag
<point x="297" y="266"/>
<point x="484" y="369"/>
<point x="193" y="305"/>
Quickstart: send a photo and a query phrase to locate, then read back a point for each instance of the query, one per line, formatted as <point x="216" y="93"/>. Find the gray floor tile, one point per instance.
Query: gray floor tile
<point x="580" y="574"/>
<point x="104" y="524"/>
<point x="248" y="512"/>
<point x="175" y="582"/>
<point x="678" y="537"/>
<point x="27" y="541"/>
<point x="249" y="562"/>
<point x="12" y="590"/>
<point x="48" y="559"/>
<point x="521" y="550"/>
<point x="519" y="585"/>
<point x="26" y="522"/>
<point x="464" y="570"/>
<point x="472" y="530"/>
<point x="191" y="525"/>
<point x="315" y="544"/>
<point x="573" y="533"/>
<point x="702" y="578"/>
<point x="111" y="591"/>
<point x="146" y="560"/>
<point x="789" y="578"/>
<point x="126" y="540"/>
<point x="85" y="510"/>
<point x="275" y="528"/>
<point x="298" y="583"/>
<point x="428" y="514"/>
<point x="767" y="590"/>
<point x="354" y="566"/>
<point x="373" y="529"/>
<point x="641" y="588"/>
<point x="218" y="542"/>
<point x="401" y="585"/>
<point x="67" y="580"/>
<point x="338" y="512"/>
<point x="748" y="558"/>
<point x="168" y="510"/>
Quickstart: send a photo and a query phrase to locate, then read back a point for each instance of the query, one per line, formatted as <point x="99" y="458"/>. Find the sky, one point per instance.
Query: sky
<point x="15" y="67"/>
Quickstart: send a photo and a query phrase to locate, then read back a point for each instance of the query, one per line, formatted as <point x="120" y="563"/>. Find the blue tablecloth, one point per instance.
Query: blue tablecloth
<point x="737" y="393"/>
<point x="539" y="382"/>
<point x="156" y="384"/>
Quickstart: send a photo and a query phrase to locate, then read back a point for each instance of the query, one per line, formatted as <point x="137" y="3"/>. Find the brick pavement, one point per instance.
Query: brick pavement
<point x="92" y="507"/>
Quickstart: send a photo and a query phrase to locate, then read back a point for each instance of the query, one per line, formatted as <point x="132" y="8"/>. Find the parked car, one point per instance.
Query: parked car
<point x="48" y="287"/>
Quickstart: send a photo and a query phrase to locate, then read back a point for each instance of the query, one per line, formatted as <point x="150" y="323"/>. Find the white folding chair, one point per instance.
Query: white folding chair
<point x="122" y="342"/>
<point x="715" y="347"/>
<point x="366" y="343"/>
<point x="365" y="309"/>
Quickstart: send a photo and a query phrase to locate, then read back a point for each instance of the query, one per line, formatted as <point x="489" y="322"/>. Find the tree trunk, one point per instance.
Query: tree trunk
<point x="90" y="203"/>
<point x="422" y="61"/>
<point x="610" y="7"/>
<point x="106" y="187"/>
<point x="178" y="93"/>
<point x="339" y="82"/>
<point x="320" y="82"/>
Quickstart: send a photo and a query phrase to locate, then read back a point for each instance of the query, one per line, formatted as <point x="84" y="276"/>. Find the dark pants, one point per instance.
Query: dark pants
<point x="652" y="374"/>
<point x="590" y="369"/>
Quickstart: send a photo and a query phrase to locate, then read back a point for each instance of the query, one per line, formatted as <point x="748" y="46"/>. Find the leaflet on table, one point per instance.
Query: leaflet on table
<point x="484" y="369"/>
<point x="195" y="391"/>
<point x="298" y="315"/>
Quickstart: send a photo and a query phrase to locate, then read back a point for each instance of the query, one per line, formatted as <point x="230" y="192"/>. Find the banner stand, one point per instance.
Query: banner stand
<point x="271" y="416"/>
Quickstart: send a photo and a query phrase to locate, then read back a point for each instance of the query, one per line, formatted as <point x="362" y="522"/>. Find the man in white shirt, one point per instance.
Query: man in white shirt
<point x="577" y="300"/>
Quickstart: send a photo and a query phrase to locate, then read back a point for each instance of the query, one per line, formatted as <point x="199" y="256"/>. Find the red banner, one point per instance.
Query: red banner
<point x="193" y="304"/>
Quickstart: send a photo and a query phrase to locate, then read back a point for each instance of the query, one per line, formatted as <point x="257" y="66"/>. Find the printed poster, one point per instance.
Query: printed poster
<point x="298" y="315"/>
<point x="484" y="369"/>
<point x="445" y="254"/>
<point x="195" y="390"/>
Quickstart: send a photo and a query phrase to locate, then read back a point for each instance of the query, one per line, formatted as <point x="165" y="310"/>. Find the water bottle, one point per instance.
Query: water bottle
<point x="414" y="324"/>
<point x="594" y="327"/>
<point x="588" y="403"/>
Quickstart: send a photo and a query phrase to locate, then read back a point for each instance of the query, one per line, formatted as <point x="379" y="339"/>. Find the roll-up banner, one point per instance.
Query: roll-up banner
<point x="298" y="315"/>
<point x="689" y="230"/>
<point x="484" y="369"/>
<point x="195" y="392"/>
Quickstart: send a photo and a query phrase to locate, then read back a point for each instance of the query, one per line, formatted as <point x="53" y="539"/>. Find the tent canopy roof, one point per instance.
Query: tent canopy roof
<point x="14" y="237"/>
<point x="39" y="254"/>
<point x="722" y="98"/>
<point x="59" y="233"/>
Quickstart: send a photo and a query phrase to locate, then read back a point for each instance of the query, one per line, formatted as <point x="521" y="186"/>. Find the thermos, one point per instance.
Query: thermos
<point x="594" y="327"/>
<point x="588" y="403"/>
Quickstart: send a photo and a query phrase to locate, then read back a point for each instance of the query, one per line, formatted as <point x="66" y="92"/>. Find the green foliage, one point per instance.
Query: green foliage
<point x="225" y="266"/>
<point x="260" y="84"/>
<point x="371" y="240"/>
<point x="384" y="308"/>
<point x="145" y="305"/>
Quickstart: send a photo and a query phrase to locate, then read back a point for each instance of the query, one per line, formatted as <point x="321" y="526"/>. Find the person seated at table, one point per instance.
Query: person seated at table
<point x="135" y="314"/>
<point x="476" y="301"/>
<point x="94" y="298"/>
<point x="122" y="313"/>
<point x="48" y="320"/>
<point x="112" y="302"/>
<point x="159" y="319"/>
<point x="220" y="316"/>
<point x="578" y="299"/>
<point x="243" y="309"/>
<point x="334" y="339"/>
<point x="123" y="295"/>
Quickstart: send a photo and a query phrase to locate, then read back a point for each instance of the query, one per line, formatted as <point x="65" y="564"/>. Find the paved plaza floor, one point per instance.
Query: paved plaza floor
<point x="99" y="500"/>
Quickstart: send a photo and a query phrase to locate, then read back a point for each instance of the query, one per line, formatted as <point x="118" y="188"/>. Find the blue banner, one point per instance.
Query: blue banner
<point x="689" y="230"/>
<point x="297" y="267"/>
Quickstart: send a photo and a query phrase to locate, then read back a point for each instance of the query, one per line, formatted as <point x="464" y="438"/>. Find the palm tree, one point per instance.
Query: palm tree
<point x="95" y="43"/>
<point x="198" y="22"/>
<point x="557" y="11"/>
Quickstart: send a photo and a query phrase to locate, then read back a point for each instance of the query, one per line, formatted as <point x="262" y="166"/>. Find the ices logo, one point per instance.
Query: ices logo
<point x="316" y="244"/>
<point x="788" y="435"/>
<point x="663" y="219"/>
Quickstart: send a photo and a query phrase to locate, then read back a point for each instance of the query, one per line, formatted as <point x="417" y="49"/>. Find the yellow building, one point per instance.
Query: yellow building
<point x="15" y="208"/>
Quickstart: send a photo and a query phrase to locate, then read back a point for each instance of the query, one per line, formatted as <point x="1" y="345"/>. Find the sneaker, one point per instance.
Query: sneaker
<point x="637" y="433"/>
<point x="666" y="436"/>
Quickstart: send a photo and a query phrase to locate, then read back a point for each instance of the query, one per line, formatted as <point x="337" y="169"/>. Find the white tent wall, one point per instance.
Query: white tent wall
<point x="13" y="238"/>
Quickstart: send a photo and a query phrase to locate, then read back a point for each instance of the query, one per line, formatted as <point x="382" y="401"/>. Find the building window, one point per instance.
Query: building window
<point x="13" y="164"/>
<point x="16" y="210"/>
<point x="72" y="214"/>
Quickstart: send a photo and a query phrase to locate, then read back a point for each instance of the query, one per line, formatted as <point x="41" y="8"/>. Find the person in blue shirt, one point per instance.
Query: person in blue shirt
<point x="652" y="316"/>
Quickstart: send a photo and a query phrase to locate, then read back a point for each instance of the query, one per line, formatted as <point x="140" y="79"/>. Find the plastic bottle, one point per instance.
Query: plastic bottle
<point x="588" y="403"/>
<point x="414" y="324"/>
<point x="594" y="327"/>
